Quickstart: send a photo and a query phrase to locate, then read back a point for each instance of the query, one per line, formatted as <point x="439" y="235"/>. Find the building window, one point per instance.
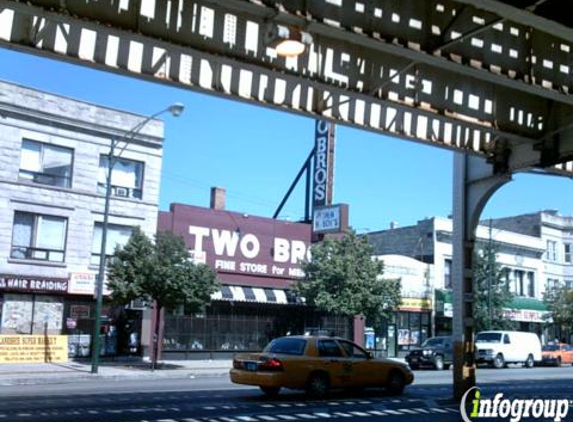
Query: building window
<point x="41" y="237"/>
<point x="530" y="284"/>
<point x="552" y="284"/>
<point x="117" y="236"/>
<point x="46" y="164"/>
<point x="126" y="177"/>
<point x="448" y="273"/>
<point x="519" y="283"/>
<point x="569" y="284"/>
<point x="551" y="250"/>
<point x="567" y="252"/>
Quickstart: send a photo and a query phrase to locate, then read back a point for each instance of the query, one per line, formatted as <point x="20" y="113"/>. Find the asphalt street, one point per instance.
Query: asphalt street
<point x="215" y="399"/>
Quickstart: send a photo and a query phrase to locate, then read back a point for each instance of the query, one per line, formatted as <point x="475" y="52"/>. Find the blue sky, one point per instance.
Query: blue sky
<point x="255" y="153"/>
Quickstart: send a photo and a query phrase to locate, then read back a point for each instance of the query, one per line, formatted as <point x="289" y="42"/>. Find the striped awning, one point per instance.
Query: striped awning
<point x="253" y="294"/>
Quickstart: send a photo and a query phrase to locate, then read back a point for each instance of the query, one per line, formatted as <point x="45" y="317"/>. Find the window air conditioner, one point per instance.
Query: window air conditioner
<point x="122" y="192"/>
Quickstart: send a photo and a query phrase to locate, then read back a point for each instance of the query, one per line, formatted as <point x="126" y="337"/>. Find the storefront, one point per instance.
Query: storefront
<point x="58" y="306"/>
<point x="257" y="260"/>
<point x="411" y="324"/>
<point x="529" y="314"/>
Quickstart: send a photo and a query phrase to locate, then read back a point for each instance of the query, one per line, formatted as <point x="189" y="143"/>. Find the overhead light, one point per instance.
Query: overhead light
<point x="287" y="41"/>
<point x="176" y="109"/>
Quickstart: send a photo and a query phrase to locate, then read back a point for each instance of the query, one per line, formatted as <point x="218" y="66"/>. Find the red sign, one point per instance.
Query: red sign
<point x="234" y="243"/>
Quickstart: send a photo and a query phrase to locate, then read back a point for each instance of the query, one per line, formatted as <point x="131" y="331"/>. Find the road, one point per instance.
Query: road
<point x="214" y="399"/>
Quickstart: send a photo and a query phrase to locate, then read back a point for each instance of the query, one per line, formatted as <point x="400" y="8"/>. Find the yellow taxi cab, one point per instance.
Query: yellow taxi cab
<point x="317" y="364"/>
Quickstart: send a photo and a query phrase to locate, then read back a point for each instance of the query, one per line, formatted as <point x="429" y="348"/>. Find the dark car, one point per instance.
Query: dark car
<point x="436" y="352"/>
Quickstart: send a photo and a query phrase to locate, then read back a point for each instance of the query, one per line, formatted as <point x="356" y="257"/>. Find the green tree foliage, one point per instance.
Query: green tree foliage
<point x="159" y="271"/>
<point x="559" y="301"/>
<point x="342" y="278"/>
<point x="490" y="287"/>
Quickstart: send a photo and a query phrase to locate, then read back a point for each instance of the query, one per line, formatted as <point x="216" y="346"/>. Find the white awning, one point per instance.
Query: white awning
<point x="252" y="294"/>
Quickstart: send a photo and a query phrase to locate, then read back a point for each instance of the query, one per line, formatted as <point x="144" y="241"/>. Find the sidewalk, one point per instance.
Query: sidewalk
<point x="72" y="371"/>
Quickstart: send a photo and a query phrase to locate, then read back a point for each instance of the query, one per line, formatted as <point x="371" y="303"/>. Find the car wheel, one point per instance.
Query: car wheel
<point x="270" y="391"/>
<point x="414" y="367"/>
<point x="439" y="363"/>
<point x="558" y="361"/>
<point x="396" y="383"/>
<point x="498" y="361"/>
<point x="446" y="366"/>
<point x="529" y="362"/>
<point x="318" y="385"/>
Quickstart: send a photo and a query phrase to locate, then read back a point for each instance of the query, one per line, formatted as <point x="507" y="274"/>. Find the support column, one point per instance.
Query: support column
<point x="474" y="183"/>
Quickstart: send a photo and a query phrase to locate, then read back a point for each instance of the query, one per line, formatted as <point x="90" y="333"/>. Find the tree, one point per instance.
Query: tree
<point x="559" y="301"/>
<point x="342" y="278"/>
<point x="159" y="271"/>
<point x="492" y="293"/>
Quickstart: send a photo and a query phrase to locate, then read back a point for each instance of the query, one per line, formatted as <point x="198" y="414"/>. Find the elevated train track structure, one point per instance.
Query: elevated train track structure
<point x="489" y="79"/>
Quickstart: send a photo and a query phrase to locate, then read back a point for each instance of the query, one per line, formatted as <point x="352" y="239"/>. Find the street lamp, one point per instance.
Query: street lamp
<point x="175" y="109"/>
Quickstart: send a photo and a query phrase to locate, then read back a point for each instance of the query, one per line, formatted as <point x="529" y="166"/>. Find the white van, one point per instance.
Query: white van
<point x="499" y="348"/>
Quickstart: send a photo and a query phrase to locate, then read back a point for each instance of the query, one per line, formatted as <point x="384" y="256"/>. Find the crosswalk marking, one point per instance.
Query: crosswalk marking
<point x="344" y="415"/>
<point x="306" y="416"/>
<point x="267" y="418"/>
<point x="378" y="413"/>
<point x="409" y="411"/>
<point x="393" y="412"/>
<point x="362" y="414"/>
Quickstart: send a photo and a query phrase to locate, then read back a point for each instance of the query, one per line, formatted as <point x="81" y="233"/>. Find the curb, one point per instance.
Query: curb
<point x="67" y="379"/>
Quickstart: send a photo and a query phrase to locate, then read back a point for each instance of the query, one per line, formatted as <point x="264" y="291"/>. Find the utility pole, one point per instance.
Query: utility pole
<point x="490" y="257"/>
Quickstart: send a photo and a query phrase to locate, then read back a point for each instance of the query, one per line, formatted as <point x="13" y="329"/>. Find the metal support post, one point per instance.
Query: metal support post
<point x="474" y="183"/>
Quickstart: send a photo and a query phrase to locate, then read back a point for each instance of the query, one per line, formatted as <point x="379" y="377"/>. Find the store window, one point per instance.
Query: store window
<point x="38" y="237"/>
<point x="413" y="328"/>
<point x="117" y="237"/>
<point x="46" y="164"/>
<point x="31" y="314"/>
<point x="126" y="177"/>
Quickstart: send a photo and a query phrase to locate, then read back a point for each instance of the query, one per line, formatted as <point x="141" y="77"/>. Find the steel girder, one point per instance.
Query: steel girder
<point x="473" y="75"/>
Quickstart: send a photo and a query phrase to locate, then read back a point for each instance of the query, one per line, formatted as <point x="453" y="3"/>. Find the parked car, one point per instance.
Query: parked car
<point x="555" y="354"/>
<point x="317" y="364"/>
<point x="437" y="352"/>
<point x="499" y="348"/>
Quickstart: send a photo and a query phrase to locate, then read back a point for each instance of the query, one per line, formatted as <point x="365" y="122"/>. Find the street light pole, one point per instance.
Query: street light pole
<point x="175" y="110"/>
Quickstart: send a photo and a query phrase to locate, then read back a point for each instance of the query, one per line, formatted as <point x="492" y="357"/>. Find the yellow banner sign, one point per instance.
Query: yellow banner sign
<point x="416" y="304"/>
<point x="33" y="349"/>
